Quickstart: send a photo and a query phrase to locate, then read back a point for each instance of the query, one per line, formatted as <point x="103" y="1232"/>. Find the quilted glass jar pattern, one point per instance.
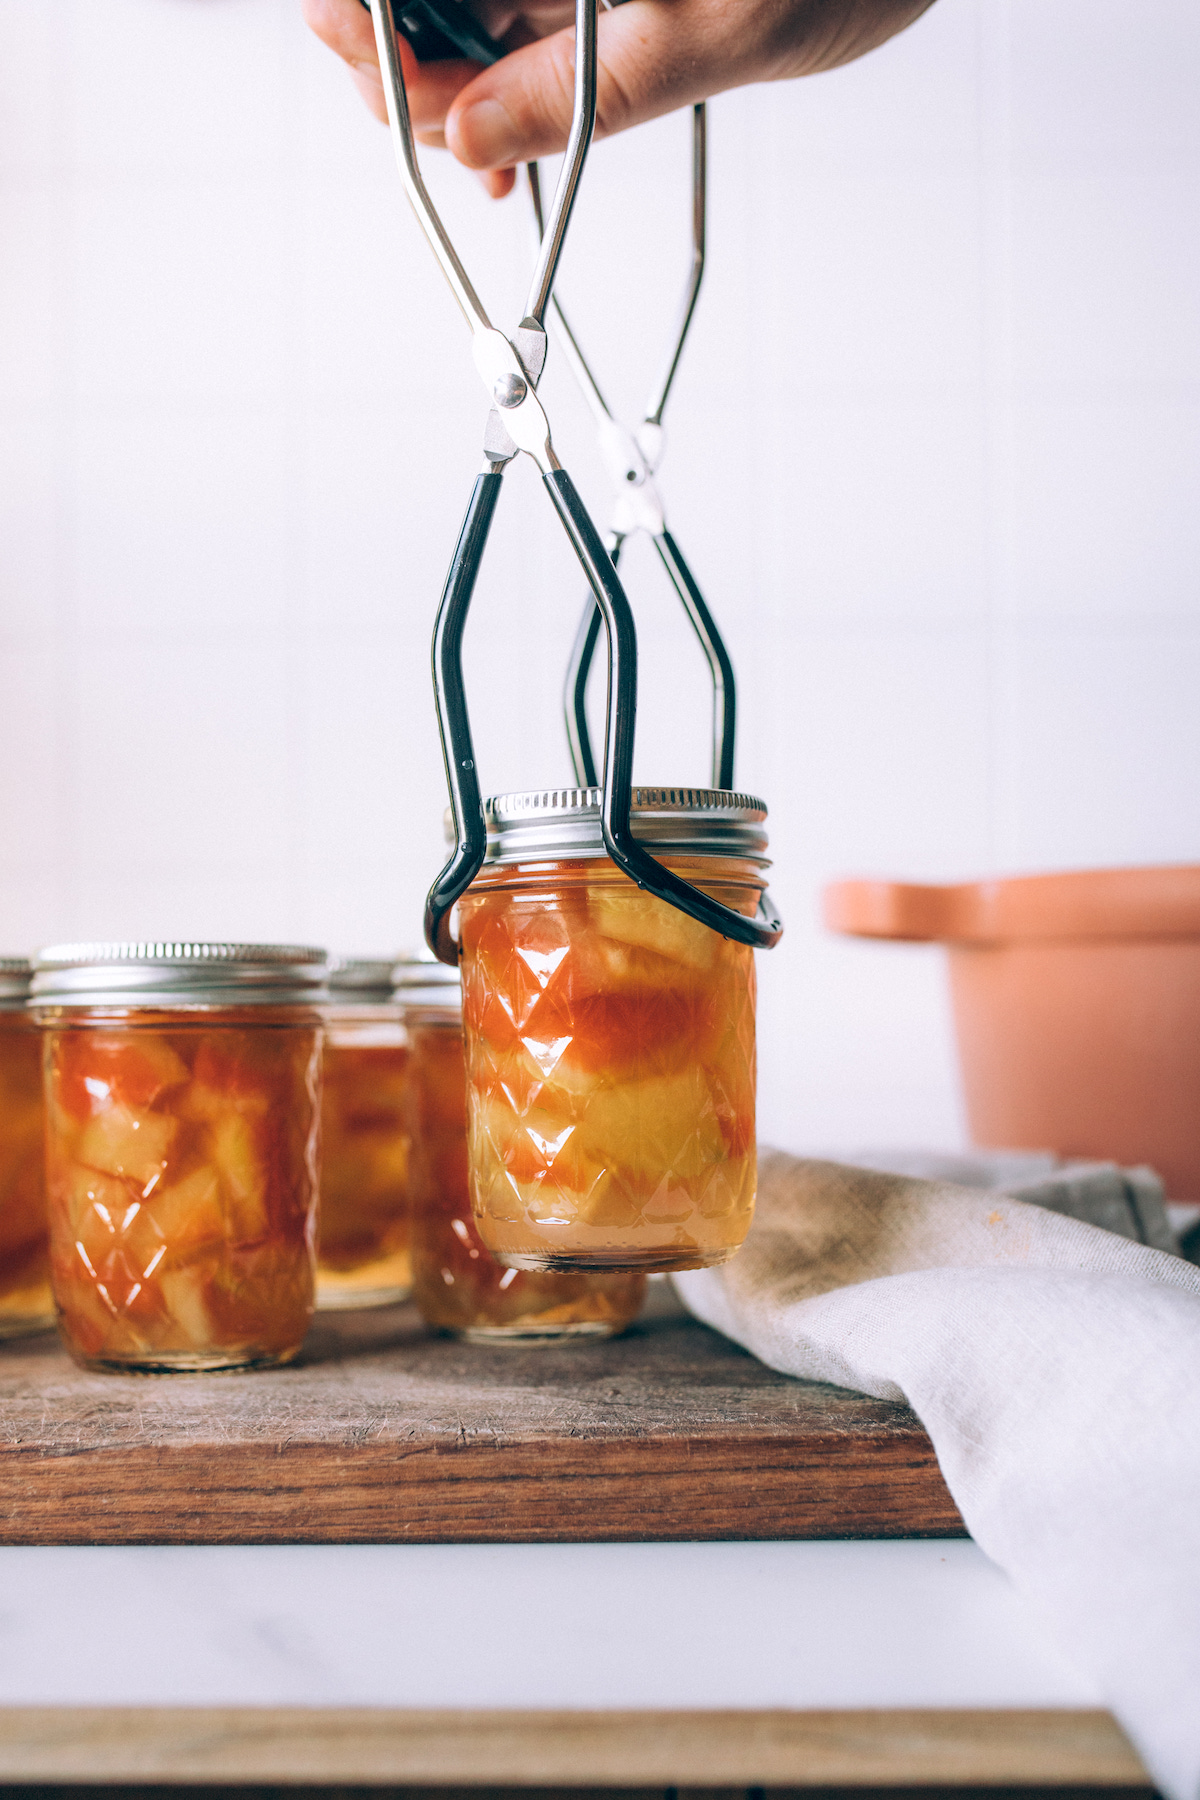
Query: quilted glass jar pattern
<point x="457" y="1282"/>
<point x="611" y="1067"/>
<point x="181" y="1162"/>
<point x="26" y="1303"/>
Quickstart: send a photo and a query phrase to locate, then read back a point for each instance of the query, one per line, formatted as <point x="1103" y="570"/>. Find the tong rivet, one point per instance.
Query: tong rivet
<point x="509" y="390"/>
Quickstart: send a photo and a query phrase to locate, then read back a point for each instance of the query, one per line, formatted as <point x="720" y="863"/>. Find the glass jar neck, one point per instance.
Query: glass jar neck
<point x="747" y="873"/>
<point x="158" y="1017"/>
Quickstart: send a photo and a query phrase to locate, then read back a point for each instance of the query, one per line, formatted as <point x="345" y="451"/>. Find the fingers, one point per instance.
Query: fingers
<point x="654" y="56"/>
<point x="347" y="29"/>
<point x="520" y="108"/>
<point x="344" y="25"/>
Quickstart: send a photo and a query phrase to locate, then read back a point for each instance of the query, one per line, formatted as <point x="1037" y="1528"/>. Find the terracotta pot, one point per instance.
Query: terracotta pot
<point x="1076" y="1004"/>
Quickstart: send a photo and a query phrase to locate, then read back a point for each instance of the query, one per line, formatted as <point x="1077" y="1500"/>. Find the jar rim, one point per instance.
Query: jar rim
<point x="549" y="824"/>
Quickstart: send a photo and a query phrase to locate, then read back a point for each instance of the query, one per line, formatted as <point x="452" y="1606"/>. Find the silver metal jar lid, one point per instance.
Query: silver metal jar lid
<point x="552" y="823"/>
<point x="423" y="984"/>
<point x="361" y="979"/>
<point x="179" y="974"/>
<point x="16" y="973"/>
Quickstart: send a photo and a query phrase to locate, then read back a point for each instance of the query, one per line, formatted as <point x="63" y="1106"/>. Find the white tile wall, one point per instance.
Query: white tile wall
<point x="934" y="454"/>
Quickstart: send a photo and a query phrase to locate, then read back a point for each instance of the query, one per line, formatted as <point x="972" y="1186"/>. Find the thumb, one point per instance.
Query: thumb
<point x="520" y="108"/>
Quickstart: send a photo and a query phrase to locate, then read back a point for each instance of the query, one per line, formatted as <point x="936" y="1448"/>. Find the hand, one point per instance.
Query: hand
<point x="653" y="56"/>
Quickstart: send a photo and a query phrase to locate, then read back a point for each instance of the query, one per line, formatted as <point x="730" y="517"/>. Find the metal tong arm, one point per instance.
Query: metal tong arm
<point x="583" y="122"/>
<point x="579" y="667"/>
<point x="568" y="342"/>
<point x="724" y="682"/>
<point x="580" y="367"/>
<point x="711" y="642"/>
<point x="616" y="803"/>
<point x="658" y="401"/>
<point x="614" y="610"/>
<point x="395" y="95"/>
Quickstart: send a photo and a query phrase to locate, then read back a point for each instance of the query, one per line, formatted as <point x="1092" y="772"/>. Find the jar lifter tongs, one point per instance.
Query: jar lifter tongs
<point x="510" y="370"/>
<point x="632" y="459"/>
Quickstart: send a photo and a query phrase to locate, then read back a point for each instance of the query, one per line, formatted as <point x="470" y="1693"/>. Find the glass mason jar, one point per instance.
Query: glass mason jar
<point x="26" y="1303"/>
<point x="182" y="1131"/>
<point x="457" y="1283"/>
<point x="362" y="1256"/>
<point x="610" y="1037"/>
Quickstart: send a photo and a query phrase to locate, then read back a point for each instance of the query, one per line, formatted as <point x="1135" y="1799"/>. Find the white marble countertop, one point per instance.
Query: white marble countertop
<point x="905" y="1624"/>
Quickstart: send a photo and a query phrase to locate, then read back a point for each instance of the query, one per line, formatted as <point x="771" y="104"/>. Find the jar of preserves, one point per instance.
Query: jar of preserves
<point x="26" y="1303"/>
<point x="457" y="1283"/>
<point x="362" y="1258"/>
<point x="609" y="1036"/>
<point x="182" y="1131"/>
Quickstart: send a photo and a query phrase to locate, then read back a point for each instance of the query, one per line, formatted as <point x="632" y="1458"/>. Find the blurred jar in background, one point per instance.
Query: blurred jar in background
<point x="182" y="1115"/>
<point x="457" y="1283"/>
<point x="362" y="1257"/>
<point x="26" y="1303"/>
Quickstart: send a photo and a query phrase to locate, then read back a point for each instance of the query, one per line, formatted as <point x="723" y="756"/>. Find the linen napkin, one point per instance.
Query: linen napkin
<point x="1055" y="1366"/>
<point x="1130" y="1202"/>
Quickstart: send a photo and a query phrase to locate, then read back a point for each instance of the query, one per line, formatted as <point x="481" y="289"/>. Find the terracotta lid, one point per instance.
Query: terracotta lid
<point x="1082" y="903"/>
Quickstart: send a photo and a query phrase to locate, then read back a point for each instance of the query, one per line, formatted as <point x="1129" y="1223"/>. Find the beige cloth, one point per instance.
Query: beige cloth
<point x="1056" y="1368"/>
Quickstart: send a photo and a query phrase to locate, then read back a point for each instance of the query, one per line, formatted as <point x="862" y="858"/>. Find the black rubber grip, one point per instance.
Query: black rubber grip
<point x="449" y="692"/>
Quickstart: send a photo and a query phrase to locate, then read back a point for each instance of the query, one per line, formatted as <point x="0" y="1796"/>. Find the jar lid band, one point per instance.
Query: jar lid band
<point x="198" y="974"/>
<point x="547" y="824"/>
<point x="411" y="980"/>
<point x="424" y="985"/>
<point x="369" y="979"/>
<point x="16" y="972"/>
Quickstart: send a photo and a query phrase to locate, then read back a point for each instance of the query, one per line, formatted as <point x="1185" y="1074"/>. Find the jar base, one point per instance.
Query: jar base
<point x="349" y="1299"/>
<point x="382" y="1280"/>
<point x="26" y="1324"/>
<point x="189" y="1362"/>
<point x="615" y="1262"/>
<point x="531" y="1334"/>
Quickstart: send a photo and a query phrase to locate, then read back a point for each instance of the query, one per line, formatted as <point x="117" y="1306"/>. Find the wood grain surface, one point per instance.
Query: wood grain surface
<point x="384" y="1434"/>
<point x="531" y="1749"/>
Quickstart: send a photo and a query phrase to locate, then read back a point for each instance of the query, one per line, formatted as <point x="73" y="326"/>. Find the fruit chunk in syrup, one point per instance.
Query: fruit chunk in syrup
<point x="181" y="1188"/>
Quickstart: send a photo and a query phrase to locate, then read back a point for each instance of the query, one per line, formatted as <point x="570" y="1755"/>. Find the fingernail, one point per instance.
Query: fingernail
<point x="486" y="133"/>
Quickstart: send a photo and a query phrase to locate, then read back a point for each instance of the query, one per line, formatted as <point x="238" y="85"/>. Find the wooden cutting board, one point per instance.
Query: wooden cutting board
<point x="385" y="1434"/>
